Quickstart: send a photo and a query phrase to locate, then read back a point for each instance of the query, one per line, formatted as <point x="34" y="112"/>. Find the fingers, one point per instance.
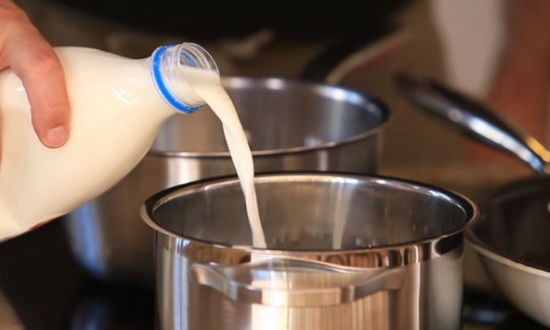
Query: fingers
<point x="39" y="69"/>
<point x="33" y="60"/>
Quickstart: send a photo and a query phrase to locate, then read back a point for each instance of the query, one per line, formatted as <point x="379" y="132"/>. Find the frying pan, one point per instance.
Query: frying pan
<point x="512" y="237"/>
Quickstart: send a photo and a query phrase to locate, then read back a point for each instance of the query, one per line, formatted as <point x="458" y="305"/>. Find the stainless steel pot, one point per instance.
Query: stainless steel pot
<point x="291" y="125"/>
<point x="512" y="238"/>
<point x="399" y="264"/>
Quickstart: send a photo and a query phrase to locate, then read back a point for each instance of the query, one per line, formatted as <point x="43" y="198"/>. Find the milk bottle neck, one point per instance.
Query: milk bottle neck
<point x="167" y="64"/>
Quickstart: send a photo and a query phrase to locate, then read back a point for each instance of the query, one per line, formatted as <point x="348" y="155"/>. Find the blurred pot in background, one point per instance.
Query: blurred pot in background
<point x="291" y="126"/>
<point x="513" y="237"/>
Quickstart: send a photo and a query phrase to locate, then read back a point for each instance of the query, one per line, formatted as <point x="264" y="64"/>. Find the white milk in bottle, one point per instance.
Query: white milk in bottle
<point x="117" y="106"/>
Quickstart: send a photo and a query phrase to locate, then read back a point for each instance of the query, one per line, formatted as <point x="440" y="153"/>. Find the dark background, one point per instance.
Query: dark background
<point x="200" y="19"/>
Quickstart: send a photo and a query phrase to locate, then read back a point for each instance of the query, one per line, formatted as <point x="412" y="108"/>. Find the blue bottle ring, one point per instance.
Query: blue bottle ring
<point x="157" y="57"/>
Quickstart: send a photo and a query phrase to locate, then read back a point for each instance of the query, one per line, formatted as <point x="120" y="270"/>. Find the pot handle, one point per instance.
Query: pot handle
<point x="288" y="282"/>
<point x="476" y="120"/>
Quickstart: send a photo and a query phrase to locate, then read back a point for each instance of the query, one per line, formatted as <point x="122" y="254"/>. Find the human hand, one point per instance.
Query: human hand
<point x="33" y="60"/>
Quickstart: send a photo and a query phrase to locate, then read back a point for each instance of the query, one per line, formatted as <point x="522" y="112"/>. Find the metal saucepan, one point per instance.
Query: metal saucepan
<point x="291" y="125"/>
<point x="513" y="236"/>
<point x="306" y="124"/>
<point x="396" y="265"/>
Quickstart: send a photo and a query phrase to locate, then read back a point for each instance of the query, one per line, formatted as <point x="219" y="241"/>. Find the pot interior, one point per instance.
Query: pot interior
<point x="277" y="114"/>
<point x="311" y="211"/>
<point x="516" y="223"/>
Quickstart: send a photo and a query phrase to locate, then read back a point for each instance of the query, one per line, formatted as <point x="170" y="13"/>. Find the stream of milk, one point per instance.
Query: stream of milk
<point x="208" y="86"/>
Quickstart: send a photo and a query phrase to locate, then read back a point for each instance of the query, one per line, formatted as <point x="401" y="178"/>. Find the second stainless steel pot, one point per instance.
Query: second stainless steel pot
<point x="291" y="125"/>
<point x="345" y="252"/>
<point x="512" y="239"/>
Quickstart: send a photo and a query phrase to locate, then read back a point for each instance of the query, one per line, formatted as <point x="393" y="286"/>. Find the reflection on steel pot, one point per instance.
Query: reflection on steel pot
<point x="513" y="241"/>
<point x="513" y="237"/>
<point x="399" y="265"/>
<point x="291" y="126"/>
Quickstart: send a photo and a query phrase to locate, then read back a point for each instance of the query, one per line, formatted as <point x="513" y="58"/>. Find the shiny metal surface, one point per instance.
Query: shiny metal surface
<point x="291" y="126"/>
<point x="513" y="237"/>
<point x="399" y="265"/>
<point x="293" y="282"/>
<point x="476" y="120"/>
<point x="513" y="242"/>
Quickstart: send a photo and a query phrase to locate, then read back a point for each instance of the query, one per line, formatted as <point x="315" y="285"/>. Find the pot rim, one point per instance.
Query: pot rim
<point x="322" y="88"/>
<point x="489" y="251"/>
<point x="469" y="207"/>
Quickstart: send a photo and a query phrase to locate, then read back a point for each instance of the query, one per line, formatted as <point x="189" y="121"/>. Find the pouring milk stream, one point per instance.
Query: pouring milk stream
<point x="208" y="86"/>
<point x="118" y="105"/>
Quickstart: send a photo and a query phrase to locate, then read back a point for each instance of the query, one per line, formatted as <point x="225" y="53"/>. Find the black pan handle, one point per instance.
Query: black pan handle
<point x="475" y="119"/>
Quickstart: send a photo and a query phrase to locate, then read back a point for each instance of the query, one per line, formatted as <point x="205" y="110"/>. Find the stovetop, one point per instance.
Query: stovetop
<point x="49" y="291"/>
